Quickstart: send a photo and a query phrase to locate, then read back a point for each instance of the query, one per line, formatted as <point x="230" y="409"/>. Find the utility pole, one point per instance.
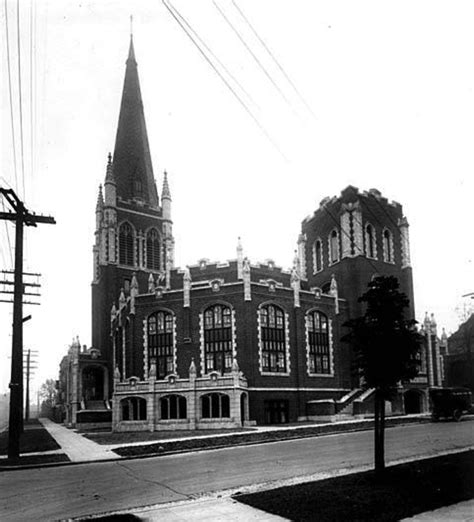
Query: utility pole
<point x="21" y="216"/>
<point x="30" y="368"/>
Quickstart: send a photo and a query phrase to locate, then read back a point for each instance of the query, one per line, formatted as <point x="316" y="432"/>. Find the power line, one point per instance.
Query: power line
<point x="31" y="89"/>
<point x="277" y="63"/>
<point x="12" y="120"/>
<point x="259" y="63"/>
<point x="244" y="105"/>
<point x="8" y="236"/>
<point x="216" y="58"/>
<point x="20" y="96"/>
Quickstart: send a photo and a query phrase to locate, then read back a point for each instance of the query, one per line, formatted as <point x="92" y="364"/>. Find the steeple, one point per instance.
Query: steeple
<point x="132" y="167"/>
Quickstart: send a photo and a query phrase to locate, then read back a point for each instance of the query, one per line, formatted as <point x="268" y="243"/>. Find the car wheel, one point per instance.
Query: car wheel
<point x="457" y="414"/>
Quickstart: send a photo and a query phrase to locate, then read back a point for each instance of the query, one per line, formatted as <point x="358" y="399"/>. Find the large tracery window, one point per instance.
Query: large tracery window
<point x="318" y="256"/>
<point x="272" y="333"/>
<point x="318" y="343"/>
<point x="370" y="241"/>
<point x="126" y="240"/>
<point x="153" y="249"/>
<point x="160" y="342"/>
<point x="218" y="339"/>
<point x="387" y="246"/>
<point x="334" y="247"/>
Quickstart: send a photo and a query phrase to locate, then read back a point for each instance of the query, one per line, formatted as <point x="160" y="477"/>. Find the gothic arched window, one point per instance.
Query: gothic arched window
<point x="160" y="342"/>
<point x="387" y="246"/>
<point x="272" y="335"/>
<point x="317" y="325"/>
<point x="133" y="408"/>
<point x="215" y="406"/>
<point x="126" y="240"/>
<point x="334" y="247"/>
<point x="370" y="241"/>
<point x="317" y="256"/>
<point x="153" y="249"/>
<point x="173" y="407"/>
<point x="218" y="339"/>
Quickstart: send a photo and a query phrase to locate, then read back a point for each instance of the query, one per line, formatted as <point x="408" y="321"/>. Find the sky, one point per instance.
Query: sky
<point x="375" y="94"/>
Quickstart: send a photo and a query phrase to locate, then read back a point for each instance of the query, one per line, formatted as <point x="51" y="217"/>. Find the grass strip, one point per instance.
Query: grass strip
<point x="34" y="438"/>
<point x="236" y="439"/>
<point x="33" y="460"/>
<point x="403" y="491"/>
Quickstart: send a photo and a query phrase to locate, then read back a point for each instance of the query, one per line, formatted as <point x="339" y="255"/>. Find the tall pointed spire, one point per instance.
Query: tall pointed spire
<point x="132" y="167"/>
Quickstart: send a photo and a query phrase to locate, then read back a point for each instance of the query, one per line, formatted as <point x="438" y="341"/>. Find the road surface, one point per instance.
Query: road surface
<point x="78" y="490"/>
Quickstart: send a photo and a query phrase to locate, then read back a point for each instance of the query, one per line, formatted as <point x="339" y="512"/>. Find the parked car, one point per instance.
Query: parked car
<point x="450" y="402"/>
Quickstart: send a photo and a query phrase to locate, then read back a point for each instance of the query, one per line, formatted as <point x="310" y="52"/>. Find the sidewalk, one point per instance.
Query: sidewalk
<point x="462" y="512"/>
<point x="75" y="446"/>
<point x="228" y="509"/>
<point x="205" y="510"/>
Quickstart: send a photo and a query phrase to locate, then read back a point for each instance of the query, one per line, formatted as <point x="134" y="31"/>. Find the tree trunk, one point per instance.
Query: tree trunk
<point x="379" y="450"/>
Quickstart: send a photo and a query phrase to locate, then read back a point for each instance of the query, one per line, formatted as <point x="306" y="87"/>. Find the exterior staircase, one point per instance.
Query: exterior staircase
<point x="96" y="405"/>
<point x="345" y="405"/>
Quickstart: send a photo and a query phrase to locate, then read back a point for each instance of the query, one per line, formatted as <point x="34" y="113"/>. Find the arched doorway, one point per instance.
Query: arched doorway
<point x="93" y="383"/>
<point x="413" y="401"/>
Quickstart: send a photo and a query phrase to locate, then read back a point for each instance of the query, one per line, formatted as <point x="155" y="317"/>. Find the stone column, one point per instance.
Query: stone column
<point x="193" y="404"/>
<point x="429" y="353"/>
<point x="151" y="402"/>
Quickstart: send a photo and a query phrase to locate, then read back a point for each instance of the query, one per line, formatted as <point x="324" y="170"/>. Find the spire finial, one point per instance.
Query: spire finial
<point x="131" y="26"/>
<point x="165" y="191"/>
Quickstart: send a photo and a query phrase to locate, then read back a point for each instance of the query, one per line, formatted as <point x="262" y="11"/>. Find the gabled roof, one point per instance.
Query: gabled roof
<point x="132" y="167"/>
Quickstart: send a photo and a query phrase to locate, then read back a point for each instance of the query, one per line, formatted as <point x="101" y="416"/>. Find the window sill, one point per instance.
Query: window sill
<point x="275" y="374"/>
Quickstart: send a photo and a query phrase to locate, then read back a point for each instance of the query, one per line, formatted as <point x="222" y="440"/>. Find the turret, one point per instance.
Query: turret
<point x="405" y="240"/>
<point x="99" y="209"/>
<point x="109" y="185"/>
<point x="166" y="197"/>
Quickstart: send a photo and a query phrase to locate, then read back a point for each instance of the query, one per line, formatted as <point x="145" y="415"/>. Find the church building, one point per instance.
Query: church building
<point x="223" y="344"/>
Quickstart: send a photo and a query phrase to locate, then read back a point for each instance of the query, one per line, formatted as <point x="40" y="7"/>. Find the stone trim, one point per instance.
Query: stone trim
<point x="405" y="245"/>
<point x="175" y="348"/>
<point x="357" y="232"/>
<point x="346" y="235"/>
<point x="294" y="389"/>
<point x="145" y="348"/>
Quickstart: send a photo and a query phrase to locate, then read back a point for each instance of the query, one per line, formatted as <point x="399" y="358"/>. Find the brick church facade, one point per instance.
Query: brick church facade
<point x="224" y="344"/>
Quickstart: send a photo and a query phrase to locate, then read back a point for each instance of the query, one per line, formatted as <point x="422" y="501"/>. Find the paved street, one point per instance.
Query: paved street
<point x="77" y="490"/>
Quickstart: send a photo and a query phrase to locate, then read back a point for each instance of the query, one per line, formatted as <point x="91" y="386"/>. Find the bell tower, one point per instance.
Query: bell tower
<point x="133" y="237"/>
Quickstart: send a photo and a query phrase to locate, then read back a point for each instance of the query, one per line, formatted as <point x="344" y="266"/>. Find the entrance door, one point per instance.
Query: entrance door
<point x="93" y="383"/>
